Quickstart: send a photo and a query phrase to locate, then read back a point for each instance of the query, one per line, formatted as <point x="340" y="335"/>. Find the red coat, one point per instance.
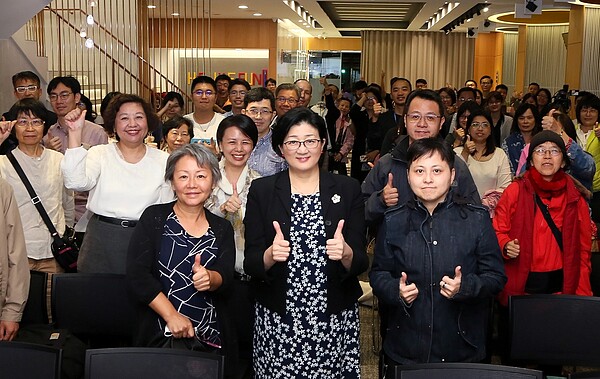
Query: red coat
<point x="517" y="216"/>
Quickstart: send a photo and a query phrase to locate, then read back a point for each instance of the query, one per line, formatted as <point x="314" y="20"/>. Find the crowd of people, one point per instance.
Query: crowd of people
<point x="241" y="227"/>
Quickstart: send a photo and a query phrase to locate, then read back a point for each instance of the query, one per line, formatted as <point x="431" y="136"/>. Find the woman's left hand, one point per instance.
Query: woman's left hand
<point x="335" y="246"/>
<point x="201" y="276"/>
<point x="449" y="287"/>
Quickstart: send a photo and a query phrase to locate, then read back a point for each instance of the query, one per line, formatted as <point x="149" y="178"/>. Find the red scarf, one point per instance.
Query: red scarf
<point x="546" y="189"/>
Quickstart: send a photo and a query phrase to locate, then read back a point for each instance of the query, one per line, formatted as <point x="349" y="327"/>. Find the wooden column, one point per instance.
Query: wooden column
<point x="521" y="60"/>
<point x="489" y="50"/>
<point x="575" y="46"/>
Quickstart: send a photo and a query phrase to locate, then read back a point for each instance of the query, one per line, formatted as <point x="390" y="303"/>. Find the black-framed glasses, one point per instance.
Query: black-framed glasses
<point x="309" y="144"/>
<point x="429" y="118"/>
<point x="236" y="93"/>
<point x="200" y="92"/>
<point x="290" y="100"/>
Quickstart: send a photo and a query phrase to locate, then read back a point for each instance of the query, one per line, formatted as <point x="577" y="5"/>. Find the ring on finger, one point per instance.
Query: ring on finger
<point x="443" y="284"/>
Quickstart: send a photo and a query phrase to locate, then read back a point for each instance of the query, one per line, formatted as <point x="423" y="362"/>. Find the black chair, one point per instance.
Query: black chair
<point x="464" y="371"/>
<point x="20" y="360"/>
<point x="94" y="307"/>
<point x="555" y="329"/>
<point x="36" y="310"/>
<point x="585" y="375"/>
<point x="151" y="363"/>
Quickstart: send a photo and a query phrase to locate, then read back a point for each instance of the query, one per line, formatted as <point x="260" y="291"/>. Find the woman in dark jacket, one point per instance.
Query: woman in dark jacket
<point x="437" y="268"/>
<point x="181" y="260"/>
<point x="305" y="247"/>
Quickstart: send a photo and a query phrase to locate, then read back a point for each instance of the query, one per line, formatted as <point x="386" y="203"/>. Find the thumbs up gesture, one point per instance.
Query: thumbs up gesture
<point x="597" y="130"/>
<point x="335" y="247"/>
<point x="450" y="286"/>
<point x="233" y="203"/>
<point x="470" y="145"/>
<point x="75" y="119"/>
<point x="390" y="193"/>
<point x="280" y="250"/>
<point x="512" y="248"/>
<point x="408" y="292"/>
<point x="201" y="276"/>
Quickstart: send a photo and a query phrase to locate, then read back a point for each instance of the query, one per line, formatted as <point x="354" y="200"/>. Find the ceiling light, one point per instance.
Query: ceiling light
<point x="82" y="33"/>
<point x="151" y="6"/>
<point x="308" y="26"/>
<point x="486" y="9"/>
<point x="469" y="19"/>
<point x="243" y="6"/>
<point x="89" y="43"/>
<point x="89" y="19"/>
<point x="257" y="14"/>
<point x="175" y="14"/>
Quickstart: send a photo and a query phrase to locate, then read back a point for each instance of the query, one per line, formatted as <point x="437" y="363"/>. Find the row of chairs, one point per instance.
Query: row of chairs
<point x="20" y="360"/>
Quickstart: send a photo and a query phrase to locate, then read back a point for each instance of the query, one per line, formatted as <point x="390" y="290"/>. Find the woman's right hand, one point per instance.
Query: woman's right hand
<point x="280" y="250"/>
<point x="180" y="326"/>
<point x="75" y="119"/>
<point x="5" y="129"/>
<point x="408" y="292"/>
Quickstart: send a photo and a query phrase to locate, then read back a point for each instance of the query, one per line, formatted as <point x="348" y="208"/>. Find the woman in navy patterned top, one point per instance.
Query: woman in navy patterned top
<point x="181" y="260"/>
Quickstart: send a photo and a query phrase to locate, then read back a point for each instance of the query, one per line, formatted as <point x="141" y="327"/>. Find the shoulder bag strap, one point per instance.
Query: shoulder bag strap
<point x="557" y="233"/>
<point x="34" y="197"/>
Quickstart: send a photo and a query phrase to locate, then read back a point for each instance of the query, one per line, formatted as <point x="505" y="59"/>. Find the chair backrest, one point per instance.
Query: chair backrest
<point x="92" y="304"/>
<point x="555" y="329"/>
<point x="36" y="310"/>
<point x="464" y="371"/>
<point x="19" y="360"/>
<point x="151" y="363"/>
<point x="585" y="375"/>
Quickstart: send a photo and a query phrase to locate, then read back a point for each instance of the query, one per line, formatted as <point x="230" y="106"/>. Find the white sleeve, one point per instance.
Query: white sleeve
<point x="81" y="168"/>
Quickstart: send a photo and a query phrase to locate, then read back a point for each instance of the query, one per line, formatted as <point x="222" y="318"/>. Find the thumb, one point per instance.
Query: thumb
<point x="278" y="232"/>
<point x="50" y="136"/>
<point x="457" y="272"/>
<point x="390" y="182"/>
<point x="197" y="264"/>
<point x="338" y="232"/>
<point x="468" y="138"/>
<point x="551" y="112"/>
<point x="235" y="192"/>
<point x="516" y="241"/>
<point x="403" y="279"/>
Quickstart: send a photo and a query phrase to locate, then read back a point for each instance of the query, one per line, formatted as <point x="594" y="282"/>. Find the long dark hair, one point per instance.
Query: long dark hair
<point x="490" y="145"/>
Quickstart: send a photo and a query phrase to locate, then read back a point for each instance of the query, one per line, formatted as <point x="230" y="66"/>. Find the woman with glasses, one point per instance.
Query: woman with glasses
<point x="305" y="246"/>
<point x="177" y="131"/>
<point x="368" y="134"/>
<point x="501" y="122"/>
<point x="588" y="136"/>
<point x="457" y="137"/>
<point x="543" y="227"/>
<point x="488" y="165"/>
<point x="123" y="178"/>
<point x="42" y="168"/>
<point x="525" y="125"/>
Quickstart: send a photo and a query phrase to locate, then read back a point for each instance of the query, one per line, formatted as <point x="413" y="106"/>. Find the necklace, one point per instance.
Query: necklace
<point x="299" y="192"/>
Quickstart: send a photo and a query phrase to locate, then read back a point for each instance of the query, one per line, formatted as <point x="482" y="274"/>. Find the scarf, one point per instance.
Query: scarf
<point x="546" y="189"/>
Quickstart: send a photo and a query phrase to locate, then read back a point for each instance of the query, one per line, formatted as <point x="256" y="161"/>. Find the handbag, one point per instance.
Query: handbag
<point x="65" y="250"/>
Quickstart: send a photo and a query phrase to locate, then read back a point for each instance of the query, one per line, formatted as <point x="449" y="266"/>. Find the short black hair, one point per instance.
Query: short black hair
<point x="490" y="144"/>
<point x="527" y="96"/>
<point x="109" y="96"/>
<point x="466" y="89"/>
<point x="358" y="85"/>
<point x="486" y="77"/>
<point x="501" y="86"/>
<point x="520" y="111"/>
<point x="425" y="94"/>
<point x="470" y="80"/>
<point x="175" y="123"/>
<point x="203" y="79"/>
<point x="287" y="87"/>
<point x="244" y="123"/>
<point x="68" y="81"/>
<point x="470" y="106"/>
<point x="115" y="104"/>
<point x="271" y="80"/>
<point x="427" y="147"/>
<point x="395" y="79"/>
<point x="292" y="118"/>
<point x="344" y="98"/>
<point x="172" y="96"/>
<point x="241" y="82"/>
<point x="24" y="75"/>
<point x="591" y="101"/>
<point x="533" y="84"/>
<point x="494" y="95"/>
<point x="376" y="91"/>
<point x="223" y="77"/>
<point x="449" y="91"/>
<point x="259" y="94"/>
<point x="31" y="107"/>
<point x="421" y="80"/>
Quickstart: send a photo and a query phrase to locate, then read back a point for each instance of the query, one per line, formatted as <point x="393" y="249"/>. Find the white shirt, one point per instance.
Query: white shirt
<point x="117" y="188"/>
<point x="208" y="130"/>
<point x="493" y="174"/>
<point x="47" y="180"/>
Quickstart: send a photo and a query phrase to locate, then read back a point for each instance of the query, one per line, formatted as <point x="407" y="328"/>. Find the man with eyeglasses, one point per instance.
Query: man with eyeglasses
<point x="258" y="105"/>
<point x="486" y="82"/>
<point x="26" y="85"/>
<point x="287" y="96"/>
<point x="463" y="95"/>
<point x="237" y="91"/>
<point x="386" y="184"/>
<point x="64" y="93"/>
<point x="206" y="120"/>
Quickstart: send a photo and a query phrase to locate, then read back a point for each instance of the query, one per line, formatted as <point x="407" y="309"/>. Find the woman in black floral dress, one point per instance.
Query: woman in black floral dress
<point x="305" y="246"/>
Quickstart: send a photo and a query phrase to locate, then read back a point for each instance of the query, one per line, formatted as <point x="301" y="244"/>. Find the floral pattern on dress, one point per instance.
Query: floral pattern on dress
<point x="307" y="342"/>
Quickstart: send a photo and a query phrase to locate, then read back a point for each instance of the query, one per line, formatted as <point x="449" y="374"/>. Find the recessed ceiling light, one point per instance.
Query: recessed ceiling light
<point x="243" y="6"/>
<point x="257" y="14"/>
<point x="175" y="14"/>
<point x="486" y="9"/>
<point x="308" y="26"/>
<point x="151" y="6"/>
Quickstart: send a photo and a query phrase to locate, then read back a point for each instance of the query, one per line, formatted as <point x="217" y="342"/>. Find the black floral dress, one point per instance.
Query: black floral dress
<point x="306" y="342"/>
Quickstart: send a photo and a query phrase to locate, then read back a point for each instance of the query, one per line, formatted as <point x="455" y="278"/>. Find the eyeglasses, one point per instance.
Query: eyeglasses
<point x="23" y="89"/>
<point x="236" y="93"/>
<point x="463" y="99"/>
<point x="207" y="92"/>
<point x="36" y="122"/>
<point x="178" y="134"/>
<point x="309" y="144"/>
<point x="542" y="151"/>
<point x="63" y="96"/>
<point x="494" y="103"/>
<point x="262" y="112"/>
<point x="588" y="110"/>
<point x="372" y="98"/>
<point x="290" y="100"/>
<point x="480" y="125"/>
<point x="430" y="118"/>
<point x="463" y="117"/>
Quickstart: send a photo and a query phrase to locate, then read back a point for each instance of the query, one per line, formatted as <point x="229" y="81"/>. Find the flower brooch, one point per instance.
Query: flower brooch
<point x="336" y="198"/>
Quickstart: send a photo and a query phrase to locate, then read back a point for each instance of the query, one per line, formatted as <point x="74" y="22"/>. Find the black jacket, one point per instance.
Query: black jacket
<point x="270" y="200"/>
